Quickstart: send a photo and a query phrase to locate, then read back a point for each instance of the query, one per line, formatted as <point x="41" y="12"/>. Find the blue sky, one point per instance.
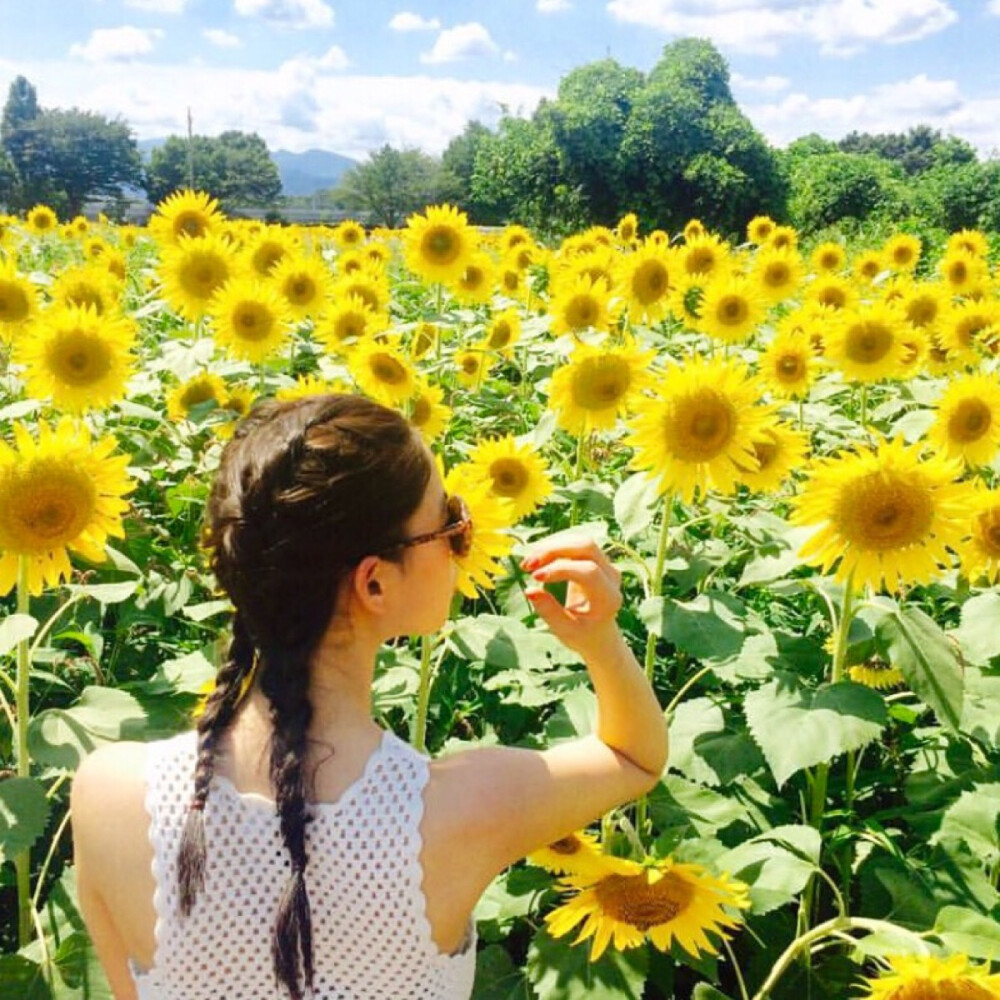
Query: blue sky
<point x="347" y="75"/>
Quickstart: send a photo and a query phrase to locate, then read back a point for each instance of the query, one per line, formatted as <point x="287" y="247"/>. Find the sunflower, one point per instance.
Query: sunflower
<point x="349" y="234"/>
<point x="731" y="308"/>
<point x="304" y="282"/>
<point x="41" y="220"/>
<point x="193" y="270"/>
<point x="704" y="255"/>
<point x="503" y="332"/>
<point x="512" y="236"/>
<point x="685" y="299"/>
<point x="475" y="283"/>
<point x="779" y="450"/>
<point x="868" y="343"/>
<point x="368" y="286"/>
<point x="876" y="673"/>
<point x="968" y="419"/>
<point x="77" y="358"/>
<point x="195" y="391"/>
<point x="237" y="404"/>
<point x="185" y="213"/>
<point x="491" y="517"/>
<point x="831" y="290"/>
<point x="599" y="265"/>
<point x="962" y="272"/>
<point x="627" y="229"/>
<point x="928" y="977"/>
<point x="575" y="854"/>
<point x="967" y="328"/>
<point x="267" y="250"/>
<point x="349" y="321"/>
<point x="512" y="282"/>
<point x="787" y="365"/>
<point x="693" y="230"/>
<point x="438" y="245"/>
<point x="889" y="515"/>
<point x="470" y="364"/>
<point x="759" y="229"/>
<point x="18" y="298"/>
<point x="868" y="265"/>
<point x="312" y="385"/>
<point x="86" y="286"/>
<point x="62" y="492"/>
<point x="970" y="241"/>
<point x="777" y="273"/>
<point x="376" y="256"/>
<point x="783" y="237"/>
<point x="595" y="387"/>
<point x="699" y="432"/>
<point x="902" y="251"/>
<point x="382" y="371"/>
<point x="922" y="305"/>
<point x="578" y="306"/>
<point x="428" y="412"/>
<point x="250" y="318"/>
<point x="980" y="556"/>
<point x="828" y="256"/>
<point x="516" y="472"/>
<point x="425" y="336"/>
<point x="660" y="901"/>
<point x="644" y="282"/>
<point x="115" y="264"/>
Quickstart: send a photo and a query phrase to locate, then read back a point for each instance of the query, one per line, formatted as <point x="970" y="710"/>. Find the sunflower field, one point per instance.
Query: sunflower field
<point x="791" y="453"/>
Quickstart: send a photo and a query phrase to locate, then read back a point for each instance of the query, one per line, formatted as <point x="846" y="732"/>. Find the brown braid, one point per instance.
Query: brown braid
<point x="305" y="489"/>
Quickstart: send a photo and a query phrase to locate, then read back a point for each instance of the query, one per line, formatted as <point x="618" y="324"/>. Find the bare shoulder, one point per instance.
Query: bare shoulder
<point x="108" y="788"/>
<point x="509" y="801"/>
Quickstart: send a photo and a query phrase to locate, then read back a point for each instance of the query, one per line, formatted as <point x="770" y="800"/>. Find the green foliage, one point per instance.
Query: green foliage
<point x="234" y="167"/>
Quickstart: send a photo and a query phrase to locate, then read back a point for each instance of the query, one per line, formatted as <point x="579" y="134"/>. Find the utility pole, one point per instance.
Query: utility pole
<point x="190" y="152"/>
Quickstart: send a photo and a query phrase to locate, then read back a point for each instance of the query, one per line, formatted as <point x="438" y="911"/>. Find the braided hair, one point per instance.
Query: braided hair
<point x="304" y="490"/>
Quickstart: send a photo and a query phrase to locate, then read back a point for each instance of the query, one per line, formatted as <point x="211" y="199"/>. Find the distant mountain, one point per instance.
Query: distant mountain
<point x="301" y="173"/>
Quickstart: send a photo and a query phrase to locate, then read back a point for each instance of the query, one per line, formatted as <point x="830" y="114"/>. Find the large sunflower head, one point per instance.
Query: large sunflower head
<point x="580" y="305"/>
<point x="868" y="265"/>
<point x="185" y="213"/>
<point x="428" y="412"/>
<point x="367" y="285"/>
<point x="382" y="372"/>
<point x="266" y="250"/>
<point x="304" y="281"/>
<point x="577" y="853"/>
<point x="828" y="289"/>
<point x="627" y="229"/>
<point x="732" y="307"/>
<point x="475" y="283"/>
<point x="902" y="251"/>
<point x="250" y="318"/>
<point x="779" y="450"/>
<point x="980" y="556"/>
<point x="515" y="471"/>
<point x="868" y="343"/>
<point x="503" y="332"/>
<point x="928" y="977"/>
<point x="962" y="272"/>
<point x="968" y="419"/>
<point x="18" y="298"/>
<point x="349" y="234"/>
<point x="200" y="389"/>
<point x="62" y="492"/>
<point x="760" y="228"/>
<point x="699" y="432"/>
<point x="777" y="273"/>
<point x="42" y="220"/>
<point x="645" y="281"/>
<point x="969" y="329"/>
<point x="438" y="245"/>
<point x="704" y="255"/>
<point x="890" y="516"/>
<point x="194" y="269"/>
<point x="787" y="365"/>
<point x="828" y="257"/>
<point x="971" y="241"/>
<point x="664" y="902"/>
<point x="597" y="384"/>
<point x="77" y="358"/>
<point x="349" y="321"/>
<point x="91" y="286"/>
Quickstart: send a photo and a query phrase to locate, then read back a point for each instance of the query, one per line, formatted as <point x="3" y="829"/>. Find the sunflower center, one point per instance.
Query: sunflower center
<point x="500" y="334"/>
<point x="387" y="369"/>
<point x="700" y="426"/>
<point x="970" y="421"/>
<point x="266" y="256"/>
<point x="80" y="359"/>
<point x="651" y="282"/>
<point x="921" y="312"/>
<point x="14" y="304"/>
<point x="868" y="342"/>
<point x="777" y="275"/>
<point x="509" y="476"/>
<point x="197" y="392"/>
<point x="942" y="989"/>
<point x="349" y="325"/>
<point x="200" y="276"/>
<point x="470" y="364"/>
<point x="831" y="295"/>
<point x="300" y="290"/>
<point x="252" y="321"/>
<point x="829" y="260"/>
<point x="581" y="311"/>
<point x="190" y="224"/>
<point x="766" y="452"/>
<point x="441" y="245"/>
<point x="421" y="411"/>
<point x="601" y="383"/>
<point x="566" y="845"/>
<point x="631" y="900"/>
<point x="989" y="532"/>
<point x="958" y="273"/>
<point x="473" y="278"/>
<point x="790" y="367"/>
<point x="47" y="507"/>
<point x="732" y="310"/>
<point x="700" y="260"/>
<point x="366" y="294"/>
<point x="884" y="511"/>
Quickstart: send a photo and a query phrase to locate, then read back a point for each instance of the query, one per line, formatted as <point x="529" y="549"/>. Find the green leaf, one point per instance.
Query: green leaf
<point x="24" y="811"/>
<point x="681" y="805"/>
<point x="889" y="940"/>
<point x="106" y="593"/>
<point x="199" y="612"/>
<point x="62" y="737"/>
<point x="981" y="707"/>
<point x="776" y="864"/>
<point x="969" y="932"/>
<point x="13" y="629"/>
<point x="973" y="818"/>
<point x="710" y="627"/>
<point x="705" y="991"/>
<point x="560" y="971"/>
<point x="777" y="560"/>
<point x="498" y="978"/>
<point x="691" y="719"/>
<point x="796" y="726"/>
<point x="574" y="716"/>
<point x="977" y="633"/>
<point x="23" y="979"/>
<point x="635" y="503"/>
<point x="930" y="662"/>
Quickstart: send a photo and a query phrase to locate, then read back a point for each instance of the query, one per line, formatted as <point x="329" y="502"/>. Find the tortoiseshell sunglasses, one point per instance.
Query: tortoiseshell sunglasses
<point x="457" y="529"/>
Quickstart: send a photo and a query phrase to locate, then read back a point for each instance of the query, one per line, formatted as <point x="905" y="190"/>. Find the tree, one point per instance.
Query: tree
<point x="917" y="150"/>
<point x="458" y="163"/>
<point x="392" y="184"/>
<point x="234" y="167"/>
<point x="63" y="157"/>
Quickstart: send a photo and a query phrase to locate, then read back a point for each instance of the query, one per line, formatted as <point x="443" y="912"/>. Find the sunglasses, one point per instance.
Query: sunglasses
<point x="457" y="529"/>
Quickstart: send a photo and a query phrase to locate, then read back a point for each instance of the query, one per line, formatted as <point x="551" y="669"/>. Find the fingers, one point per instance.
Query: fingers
<point x="541" y="554"/>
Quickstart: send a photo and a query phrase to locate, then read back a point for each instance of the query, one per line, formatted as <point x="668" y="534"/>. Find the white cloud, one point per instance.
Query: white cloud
<point x="838" y="27"/>
<point x="551" y="6"/>
<point x="759" y="85"/>
<point x="159" y="6"/>
<point x="405" y="21"/>
<point x="464" y="41"/>
<point x="223" y="39"/>
<point x="334" y="59"/>
<point x="994" y="7"/>
<point x="106" y="44"/>
<point x="297" y="14"/>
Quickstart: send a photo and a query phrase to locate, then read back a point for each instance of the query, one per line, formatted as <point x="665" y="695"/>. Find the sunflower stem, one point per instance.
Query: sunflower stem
<point x="581" y="444"/>
<point x="864" y="406"/>
<point x="22" y="860"/>
<point x="655" y="590"/>
<point x="423" y="695"/>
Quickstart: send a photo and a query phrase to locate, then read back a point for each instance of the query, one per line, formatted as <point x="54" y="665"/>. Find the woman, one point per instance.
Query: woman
<point x="289" y="846"/>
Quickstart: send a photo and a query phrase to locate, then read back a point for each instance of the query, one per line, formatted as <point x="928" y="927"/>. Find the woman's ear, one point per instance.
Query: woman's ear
<point x="367" y="584"/>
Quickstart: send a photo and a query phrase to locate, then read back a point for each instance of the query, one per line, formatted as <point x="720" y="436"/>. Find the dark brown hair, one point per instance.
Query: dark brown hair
<point x="304" y="490"/>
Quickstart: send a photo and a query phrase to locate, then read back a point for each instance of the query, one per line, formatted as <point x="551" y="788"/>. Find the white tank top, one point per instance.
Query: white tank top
<point x="370" y="934"/>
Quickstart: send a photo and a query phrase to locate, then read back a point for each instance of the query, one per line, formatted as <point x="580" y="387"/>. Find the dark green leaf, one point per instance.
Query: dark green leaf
<point x="560" y="971"/>
<point x="22" y="979"/>
<point x="974" y="818"/>
<point x="497" y="978"/>
<point x="24" y="811"/>
<point x="710" y="627"/>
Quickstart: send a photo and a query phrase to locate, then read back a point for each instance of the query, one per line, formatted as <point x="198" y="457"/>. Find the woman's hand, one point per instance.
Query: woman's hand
<point x="587" y="622"/>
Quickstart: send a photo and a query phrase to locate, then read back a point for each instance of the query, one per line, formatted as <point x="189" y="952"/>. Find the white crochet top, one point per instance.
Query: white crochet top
<point x="370" y="934"/>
